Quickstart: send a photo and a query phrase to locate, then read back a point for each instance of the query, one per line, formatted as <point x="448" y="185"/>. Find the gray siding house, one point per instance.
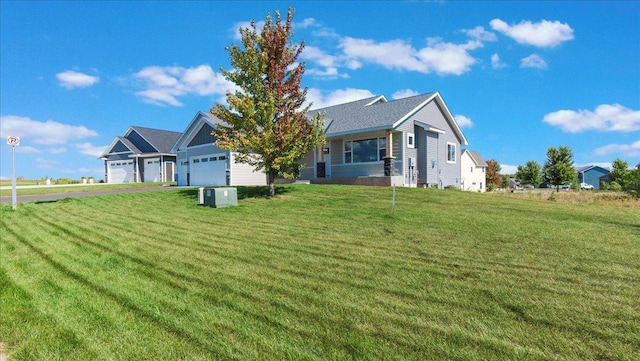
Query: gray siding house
<point x="414" y="141"/>
<point x="201" y="163"/>
<point x="140" y="155"/>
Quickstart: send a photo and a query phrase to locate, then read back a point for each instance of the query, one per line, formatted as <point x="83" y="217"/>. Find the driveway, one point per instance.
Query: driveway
<point x="55" y="196"/>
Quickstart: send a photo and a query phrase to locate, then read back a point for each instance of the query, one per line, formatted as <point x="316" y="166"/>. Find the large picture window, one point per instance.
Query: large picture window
<point x="451" y="153"/>
<point x="366" y="150"/>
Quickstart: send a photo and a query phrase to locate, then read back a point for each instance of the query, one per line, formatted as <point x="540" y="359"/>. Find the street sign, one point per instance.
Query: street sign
<point x="13" y="141"/>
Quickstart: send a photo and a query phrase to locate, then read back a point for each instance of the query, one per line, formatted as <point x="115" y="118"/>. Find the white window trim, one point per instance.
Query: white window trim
<point x="344" y="158"/>
<point x="455" y="153"/>
<point x="411" y="140"/>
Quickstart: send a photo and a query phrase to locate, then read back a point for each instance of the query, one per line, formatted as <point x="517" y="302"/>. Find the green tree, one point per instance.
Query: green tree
<point x="558" y="168"/>
<point x="633" y="183"/>
<point x="531" y="173"/>
<point x="493" y="174"/>
<point x="620" y="172"/>
<point x="266" y="119"/>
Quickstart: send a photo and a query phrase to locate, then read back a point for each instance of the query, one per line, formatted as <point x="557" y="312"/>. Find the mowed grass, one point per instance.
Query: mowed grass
<point x="319" y="272"/>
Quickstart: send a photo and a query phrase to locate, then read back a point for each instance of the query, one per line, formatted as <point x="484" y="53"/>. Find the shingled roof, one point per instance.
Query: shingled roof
<point x="160" y="139"/>
<point x="368" y="114"/>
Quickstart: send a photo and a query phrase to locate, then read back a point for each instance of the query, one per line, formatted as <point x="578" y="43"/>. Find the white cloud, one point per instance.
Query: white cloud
<point x="508" y="169"/>
<point x="405" y="93"/>
<point x="440" y="57"/>
<point x="165" y="84"/>
<point x="533" y="61"/>
<point x="90" y="149"/>
<point x="72" y="79"/>
<point x="542" y="34"/>
<point x="463" y="121"/>
<point x="328" y="62"/>
<point x="496" y="63"/>
<point x="305" y="23"/>
<point x="479" y="33"/>
<point x="58" y="150"/>
<point x="336" y="97"/>
<point x="27" y="149"/>
<point x="42" y="163"/>
<point x="626" y="150"/>
<point x="606" y="118"/>
<point x="45" y="133"/>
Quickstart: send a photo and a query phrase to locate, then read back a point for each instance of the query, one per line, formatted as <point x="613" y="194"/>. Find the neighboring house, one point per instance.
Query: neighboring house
<point x="591" y="175"/>
<point x="473" y="171"/>
<point x="140" y="155"/>
<point x="405" y="142"/>
<point x="201" y="163"/>
<point x="638" y="166"/>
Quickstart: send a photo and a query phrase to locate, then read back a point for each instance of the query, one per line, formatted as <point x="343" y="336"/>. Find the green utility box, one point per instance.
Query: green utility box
<point x="220" y="197"/>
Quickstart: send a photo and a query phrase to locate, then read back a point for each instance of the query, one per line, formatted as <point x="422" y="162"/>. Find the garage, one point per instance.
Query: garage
<point x="120" y="171"/>
<point x="209" y="170"/>
<point x="152" y="170"/>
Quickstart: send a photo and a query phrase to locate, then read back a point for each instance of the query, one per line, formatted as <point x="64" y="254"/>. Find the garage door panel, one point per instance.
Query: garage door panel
<point x="120" y="171"/>
<point x="208" y="170"/>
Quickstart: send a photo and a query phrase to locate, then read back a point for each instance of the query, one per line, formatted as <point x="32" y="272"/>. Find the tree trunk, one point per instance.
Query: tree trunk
<point x="272" y="186"/>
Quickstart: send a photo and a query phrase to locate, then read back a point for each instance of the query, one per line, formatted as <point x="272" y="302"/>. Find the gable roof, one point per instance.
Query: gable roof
<point x="590" y="167"/>
<point x="376" y="113"/>
<point x="193" y="127"/>
<point x="161" y="140"/>
<point x="476" y="158"/>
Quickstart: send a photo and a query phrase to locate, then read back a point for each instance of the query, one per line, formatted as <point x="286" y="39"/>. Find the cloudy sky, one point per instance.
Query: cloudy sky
<point x="520" y="77"/>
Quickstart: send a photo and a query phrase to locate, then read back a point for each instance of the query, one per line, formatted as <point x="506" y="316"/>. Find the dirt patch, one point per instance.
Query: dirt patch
<point x="3" y="348"/>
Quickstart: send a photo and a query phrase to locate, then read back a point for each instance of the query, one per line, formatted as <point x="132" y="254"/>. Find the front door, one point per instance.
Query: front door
<point x="327" y="160"/>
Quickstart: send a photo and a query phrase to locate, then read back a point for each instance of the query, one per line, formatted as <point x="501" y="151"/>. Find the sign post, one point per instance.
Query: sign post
<point x="13" y="141"/>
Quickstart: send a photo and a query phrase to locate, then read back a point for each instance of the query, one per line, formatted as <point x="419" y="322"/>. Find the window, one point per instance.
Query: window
<point x="471" y="169"/>
<point x="213" y="159"/>
<point x="196" y="160"/>
<point x="204" y="160"/>
<point x="222" y="157"/>
<point x="363" y="151"/>
<point x="411" y="140"/>
<point x="451" y="153"/>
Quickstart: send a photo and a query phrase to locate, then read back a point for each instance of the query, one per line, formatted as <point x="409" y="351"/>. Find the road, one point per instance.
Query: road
<point x="55" y="196"/>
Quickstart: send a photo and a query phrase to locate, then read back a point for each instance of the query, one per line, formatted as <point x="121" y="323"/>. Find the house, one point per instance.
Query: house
<point x="591" y="174"/>
<point x="406" y="142"/>
<point x="140" y="155"/>
<point x="473" y="171"/>
<point x="201" y="163"/>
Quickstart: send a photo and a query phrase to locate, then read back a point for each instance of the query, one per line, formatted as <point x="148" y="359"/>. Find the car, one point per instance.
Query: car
<point x="586" y="186"/>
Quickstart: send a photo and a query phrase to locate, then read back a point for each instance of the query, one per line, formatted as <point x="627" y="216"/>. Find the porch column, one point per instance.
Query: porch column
<point x="389" y="159"/>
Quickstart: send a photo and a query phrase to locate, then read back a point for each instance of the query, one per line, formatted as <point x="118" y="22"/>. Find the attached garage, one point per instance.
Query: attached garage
<point x="208" y="170"/>
<point x="152" y="170"/>
<point x="120" y="171"/>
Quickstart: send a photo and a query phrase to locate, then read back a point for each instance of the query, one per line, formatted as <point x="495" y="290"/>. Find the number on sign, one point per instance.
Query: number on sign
<point x="13" y="141"/>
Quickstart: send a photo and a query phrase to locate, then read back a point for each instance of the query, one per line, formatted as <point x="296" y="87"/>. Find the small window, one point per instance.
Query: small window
<point x="451" y="153"/>
<point x="196" y="160"/>
<point x="204" y="160"/>
<point x="213" y="159"/>
<point x="222" y="157"/>
<point x="471" y="169"/>
<point x="411" y="140"/>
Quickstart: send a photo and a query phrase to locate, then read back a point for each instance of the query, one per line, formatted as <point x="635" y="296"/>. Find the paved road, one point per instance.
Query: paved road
<point x="54" y="196"/>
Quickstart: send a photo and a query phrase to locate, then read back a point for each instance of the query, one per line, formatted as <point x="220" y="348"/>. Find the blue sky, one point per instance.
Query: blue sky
<point x="520" y="77"/>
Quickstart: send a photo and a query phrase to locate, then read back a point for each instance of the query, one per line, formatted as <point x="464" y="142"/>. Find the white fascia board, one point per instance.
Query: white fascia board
<point x="428" y="127"/>
<point x="452" y="120"/>
<point x="381" y="97"/>
<point x="190" y="131"/>
<point x="413" y="111"/>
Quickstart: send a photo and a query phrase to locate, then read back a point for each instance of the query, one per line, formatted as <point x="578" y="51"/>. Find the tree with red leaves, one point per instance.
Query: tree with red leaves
<point x="266" y="121"/>
<point x="493" y="174"/>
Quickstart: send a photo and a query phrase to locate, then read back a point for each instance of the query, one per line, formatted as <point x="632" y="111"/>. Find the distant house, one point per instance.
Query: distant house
<point x="201" y="163"/>
<point x="591" y="174"/>
<point x="405" y="142"/>
<point x="473" y="171"/>
<point x="638" y="166"/>
<point x="140" y="155"/>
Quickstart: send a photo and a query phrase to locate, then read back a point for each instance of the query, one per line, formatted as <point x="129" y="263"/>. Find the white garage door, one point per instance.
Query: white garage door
<point x="152" y="170"/>
<point x="120" y="171"/>
<point x="210" y="170"/>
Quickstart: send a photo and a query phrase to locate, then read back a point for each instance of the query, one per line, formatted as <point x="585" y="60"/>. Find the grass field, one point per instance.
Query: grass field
<point x="320" y="272"/>
<point x="76" y="188"/>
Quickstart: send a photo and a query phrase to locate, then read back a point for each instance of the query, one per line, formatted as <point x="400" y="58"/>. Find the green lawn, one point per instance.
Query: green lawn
<point x="319" y="272"/>
<point x="75" y="188"/>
